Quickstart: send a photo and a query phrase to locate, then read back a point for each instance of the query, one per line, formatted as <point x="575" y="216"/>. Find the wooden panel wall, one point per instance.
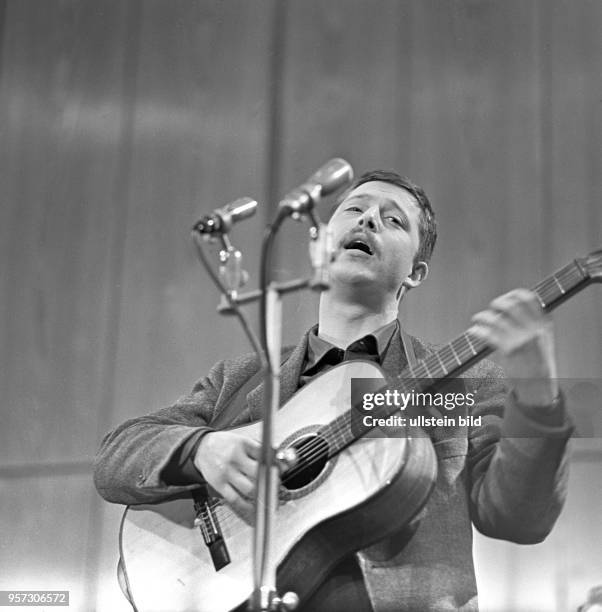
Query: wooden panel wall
<point x="121" y="122"/>
<point x="63" y="113"/>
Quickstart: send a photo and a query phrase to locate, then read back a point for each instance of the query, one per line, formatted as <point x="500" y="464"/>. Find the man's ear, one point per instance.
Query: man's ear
<point x="419" y="273"/>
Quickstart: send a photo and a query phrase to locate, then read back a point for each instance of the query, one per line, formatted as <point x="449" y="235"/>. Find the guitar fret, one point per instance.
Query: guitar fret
<point x="441" y="362"/>
<point x="451" y="357"/>
<point x="469" y="342"/>
<point x="559" y="285"/>
<point x="542" y="301"/>
<point x="451" y="346"/>
<point x="426" y="369"/>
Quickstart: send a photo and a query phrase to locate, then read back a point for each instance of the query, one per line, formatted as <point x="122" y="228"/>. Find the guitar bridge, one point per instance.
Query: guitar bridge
<point x="207" y="521"/>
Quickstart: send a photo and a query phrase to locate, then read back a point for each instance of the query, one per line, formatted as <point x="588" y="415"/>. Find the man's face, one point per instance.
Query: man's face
<point x="375" y="235"/>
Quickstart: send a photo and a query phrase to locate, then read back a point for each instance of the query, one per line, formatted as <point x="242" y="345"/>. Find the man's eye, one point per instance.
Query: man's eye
<point x="395" y="220"/>
<point x="353" y="209"/>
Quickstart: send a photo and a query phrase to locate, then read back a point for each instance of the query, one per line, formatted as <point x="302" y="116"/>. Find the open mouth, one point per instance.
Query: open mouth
<point x="358" y="245"/>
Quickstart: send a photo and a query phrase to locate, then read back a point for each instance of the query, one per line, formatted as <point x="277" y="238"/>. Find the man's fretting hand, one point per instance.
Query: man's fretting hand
<point x="517" y="327"/>
<point x="228" y="462"/>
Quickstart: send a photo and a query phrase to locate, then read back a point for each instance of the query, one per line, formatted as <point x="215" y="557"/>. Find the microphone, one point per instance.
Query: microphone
<point x="221" y="220"/>
<point x="329" y="178"/>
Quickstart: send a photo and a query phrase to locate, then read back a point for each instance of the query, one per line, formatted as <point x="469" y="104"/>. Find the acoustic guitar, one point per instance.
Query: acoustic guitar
<point x="348" y="490"/>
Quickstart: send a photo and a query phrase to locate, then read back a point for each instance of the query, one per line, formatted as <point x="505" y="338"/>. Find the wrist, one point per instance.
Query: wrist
<point x="536" y="392"/>
<point x="546" y="404"/>
<point x="520" y="418"/>
<point x="201" y="450"/>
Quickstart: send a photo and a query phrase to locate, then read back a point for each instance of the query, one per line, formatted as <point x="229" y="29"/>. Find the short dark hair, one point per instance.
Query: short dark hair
<point x="427" y="226"/>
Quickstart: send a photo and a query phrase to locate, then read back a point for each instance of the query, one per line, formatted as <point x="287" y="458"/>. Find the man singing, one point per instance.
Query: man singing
<point x="507" y="476"/>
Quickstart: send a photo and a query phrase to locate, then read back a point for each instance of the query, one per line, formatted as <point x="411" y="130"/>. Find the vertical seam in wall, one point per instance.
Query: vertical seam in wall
<point x="594" y="121"/>
<point x="120" y="203"/>
<point x="538" y="144"/>
<point x="593" y="110"/>
<point x="2" y="34"/>
<point x="546" y="205"/>
<point x="274" y="97"/>
<point x="408" y="83"/>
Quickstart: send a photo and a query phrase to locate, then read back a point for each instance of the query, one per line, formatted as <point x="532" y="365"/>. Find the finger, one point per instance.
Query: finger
<point x="510" y="308"/>
<point x="243" y="485"/>
<point x="247" y="466"/>
<point x="484" y="333"/>
<point x="251" y="448"/>
<point x="493" y="321"/>
<point x="493" y="336"/>
<point x="520" y="305"/>
<point x="241" y="506"/>
<point x="531" y="301"/>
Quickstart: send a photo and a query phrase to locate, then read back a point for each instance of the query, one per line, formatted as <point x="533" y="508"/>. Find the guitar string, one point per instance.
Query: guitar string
<point x="548" y="290"/>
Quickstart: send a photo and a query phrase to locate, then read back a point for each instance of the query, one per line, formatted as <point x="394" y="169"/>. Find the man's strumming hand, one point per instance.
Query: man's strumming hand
<point x="228" y="462"/>
<point x="516" y="325"/>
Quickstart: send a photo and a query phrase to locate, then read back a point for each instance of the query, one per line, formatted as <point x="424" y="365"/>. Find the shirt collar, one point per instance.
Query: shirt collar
<point x="317" y="347"/>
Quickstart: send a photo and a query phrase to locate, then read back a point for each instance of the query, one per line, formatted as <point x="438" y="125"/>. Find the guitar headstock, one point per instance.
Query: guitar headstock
<point x="592" y="264"/>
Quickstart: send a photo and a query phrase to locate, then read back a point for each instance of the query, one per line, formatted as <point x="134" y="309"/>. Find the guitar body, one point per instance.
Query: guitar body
<point x="371" y="489"/>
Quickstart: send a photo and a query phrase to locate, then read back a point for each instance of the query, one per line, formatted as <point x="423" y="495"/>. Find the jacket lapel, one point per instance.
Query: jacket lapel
<point x="290" y="371"/>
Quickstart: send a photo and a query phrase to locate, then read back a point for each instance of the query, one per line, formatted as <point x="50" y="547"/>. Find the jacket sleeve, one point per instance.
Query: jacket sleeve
<point x="517" y="464"/>
<point x="129" y="464"/>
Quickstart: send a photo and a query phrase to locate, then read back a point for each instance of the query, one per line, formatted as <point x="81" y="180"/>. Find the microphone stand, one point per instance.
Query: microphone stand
<point x="265" y="597"/>
<point x="297" y="204"/>
<point x="231" y="277"/>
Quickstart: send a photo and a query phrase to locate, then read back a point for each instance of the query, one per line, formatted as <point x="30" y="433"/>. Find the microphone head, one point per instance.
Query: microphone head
<point x="235" y="211"/>
<point x="332" y="176"/>
<point x="221" y="220"/>
<point x="241" y="208"/>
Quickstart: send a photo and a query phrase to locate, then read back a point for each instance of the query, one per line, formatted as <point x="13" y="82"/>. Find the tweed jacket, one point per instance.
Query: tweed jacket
<point x="507" y="477"/>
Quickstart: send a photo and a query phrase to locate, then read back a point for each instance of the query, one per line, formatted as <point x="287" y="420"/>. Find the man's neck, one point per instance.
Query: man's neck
<point x="343" y="322"/>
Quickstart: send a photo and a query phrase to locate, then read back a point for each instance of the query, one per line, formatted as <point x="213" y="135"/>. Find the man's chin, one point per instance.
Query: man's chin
<point x="354" y="279"/>
<point x="353" y="272"/>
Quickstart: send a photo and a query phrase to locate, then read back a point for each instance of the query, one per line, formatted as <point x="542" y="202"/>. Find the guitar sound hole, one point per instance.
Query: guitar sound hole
<point x="312" y="454"/>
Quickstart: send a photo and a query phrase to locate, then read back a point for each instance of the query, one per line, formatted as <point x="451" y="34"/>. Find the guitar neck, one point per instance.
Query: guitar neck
<point x="450" y="360"/>
<point x="465" y="350"/>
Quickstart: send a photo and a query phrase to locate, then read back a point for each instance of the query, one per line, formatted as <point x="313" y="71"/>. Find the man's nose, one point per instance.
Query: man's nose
<point x="370" y="219"/>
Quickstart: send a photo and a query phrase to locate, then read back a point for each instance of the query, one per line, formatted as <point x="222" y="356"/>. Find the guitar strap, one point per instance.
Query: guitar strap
<point x="408" y="347"/>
